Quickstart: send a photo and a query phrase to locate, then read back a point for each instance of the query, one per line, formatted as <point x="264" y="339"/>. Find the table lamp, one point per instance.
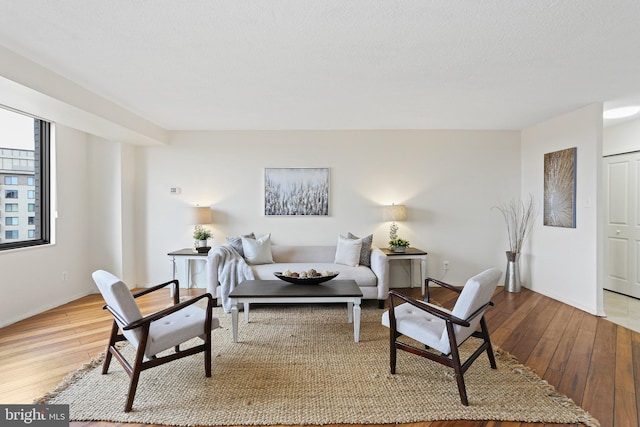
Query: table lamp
<point x="394" y="213"/>
<point x="199" y="216"/>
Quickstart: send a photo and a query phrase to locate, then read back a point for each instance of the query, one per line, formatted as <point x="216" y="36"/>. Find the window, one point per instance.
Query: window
<point x="25" y="144"/>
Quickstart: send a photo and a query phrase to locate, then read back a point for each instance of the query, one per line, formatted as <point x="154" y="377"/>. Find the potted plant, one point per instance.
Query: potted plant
<point x="201" y="235"/>
<point x="398" y="244"/>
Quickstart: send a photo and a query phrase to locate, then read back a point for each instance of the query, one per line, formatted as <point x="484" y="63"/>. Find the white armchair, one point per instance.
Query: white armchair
<point x="149" y="336"/>
<point x="441" y="330"/>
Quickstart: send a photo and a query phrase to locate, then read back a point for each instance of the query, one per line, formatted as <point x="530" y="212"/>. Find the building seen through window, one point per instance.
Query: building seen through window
<point x="24" y="180"/>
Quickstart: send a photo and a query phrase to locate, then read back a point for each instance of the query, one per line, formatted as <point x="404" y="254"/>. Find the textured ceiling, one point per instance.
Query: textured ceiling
<point x="336" y="64"/>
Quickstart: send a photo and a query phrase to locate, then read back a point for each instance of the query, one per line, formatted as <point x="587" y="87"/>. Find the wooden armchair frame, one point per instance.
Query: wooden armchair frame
<point x="144" y="324"/>
<point x="453" y="359"/>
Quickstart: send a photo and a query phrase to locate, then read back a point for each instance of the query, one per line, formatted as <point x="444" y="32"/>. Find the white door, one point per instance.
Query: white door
<point x="622" y="249"/>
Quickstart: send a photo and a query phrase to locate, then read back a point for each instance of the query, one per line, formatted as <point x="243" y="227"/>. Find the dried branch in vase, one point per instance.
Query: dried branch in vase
<point x="518" y="215"/>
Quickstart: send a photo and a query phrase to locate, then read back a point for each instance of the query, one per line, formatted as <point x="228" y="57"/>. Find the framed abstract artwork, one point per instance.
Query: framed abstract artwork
<point x="296" y="191"/>
<point x="560" y="188"/>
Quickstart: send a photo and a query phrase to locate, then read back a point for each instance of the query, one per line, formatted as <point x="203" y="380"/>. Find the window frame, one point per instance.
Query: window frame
<point x="42" y="170"/>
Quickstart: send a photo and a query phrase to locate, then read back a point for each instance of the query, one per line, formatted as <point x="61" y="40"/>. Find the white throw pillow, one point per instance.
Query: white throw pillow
<point x="348" y="251"/>
<point x="365" y="252"/>
<point x="257" y="251"/>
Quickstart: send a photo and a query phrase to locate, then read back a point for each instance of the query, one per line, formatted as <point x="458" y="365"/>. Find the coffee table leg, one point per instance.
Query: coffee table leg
<point x="350" y="311"/>
<point x="356" y="322"/>
<point x="234" y="320"/>
<point x="246" y="312"/>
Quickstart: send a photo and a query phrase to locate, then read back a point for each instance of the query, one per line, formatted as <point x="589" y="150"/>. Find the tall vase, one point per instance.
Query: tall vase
<point x="512" y="275"/>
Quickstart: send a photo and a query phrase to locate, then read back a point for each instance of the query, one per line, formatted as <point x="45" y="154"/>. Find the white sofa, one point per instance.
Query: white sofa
<point x="373" y="280"/>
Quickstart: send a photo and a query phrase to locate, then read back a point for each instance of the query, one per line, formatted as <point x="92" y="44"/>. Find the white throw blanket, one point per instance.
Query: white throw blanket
<point x="232" y="269"/>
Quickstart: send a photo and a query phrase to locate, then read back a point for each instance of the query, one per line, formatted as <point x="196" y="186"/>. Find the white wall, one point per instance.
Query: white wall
<point x="449" y="180"/>
<point x="95" y="228"/>
<point x="116" y="212"/>
<point x="34" y="276"/>
<point x="564" y="263"/>
<point x="622" y="138"/>
<point x="95" y="185"/>
<point x="128" y="223"/>
<point x="112" y="200"/>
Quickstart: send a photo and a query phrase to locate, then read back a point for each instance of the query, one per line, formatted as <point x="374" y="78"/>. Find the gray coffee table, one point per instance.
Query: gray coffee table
<point x="278" y="291"/>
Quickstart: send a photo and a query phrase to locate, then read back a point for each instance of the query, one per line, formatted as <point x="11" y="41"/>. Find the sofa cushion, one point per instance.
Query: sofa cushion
<point x="348" y="251"/>
<point x="257" y="251"/>
<point x="363" y="276"/>
<point x="365" y="251"/>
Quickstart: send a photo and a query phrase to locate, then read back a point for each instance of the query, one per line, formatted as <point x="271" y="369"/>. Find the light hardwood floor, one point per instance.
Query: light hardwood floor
<point x="590" y="359"/>
<point x="622" y="310"/>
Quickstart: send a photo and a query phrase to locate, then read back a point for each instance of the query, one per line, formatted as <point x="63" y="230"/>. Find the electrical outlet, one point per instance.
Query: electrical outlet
<point x="445" y="265"/>
<point x="64" y="276"/>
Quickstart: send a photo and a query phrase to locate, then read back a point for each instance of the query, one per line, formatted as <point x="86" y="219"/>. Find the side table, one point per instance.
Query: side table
<point x="187" y="255"/>
<point x="411" y="254"/>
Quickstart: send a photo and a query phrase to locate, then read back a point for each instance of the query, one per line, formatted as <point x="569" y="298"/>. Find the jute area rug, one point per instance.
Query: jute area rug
<point x="298" y="364"/>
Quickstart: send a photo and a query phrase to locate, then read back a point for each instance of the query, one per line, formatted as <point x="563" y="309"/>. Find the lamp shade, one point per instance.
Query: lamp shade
<point x="200" y="215"/>
<point x="394" y="213"/>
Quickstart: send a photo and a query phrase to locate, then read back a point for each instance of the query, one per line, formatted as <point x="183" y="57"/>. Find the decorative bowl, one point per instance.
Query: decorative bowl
<point x="305" y="280"/>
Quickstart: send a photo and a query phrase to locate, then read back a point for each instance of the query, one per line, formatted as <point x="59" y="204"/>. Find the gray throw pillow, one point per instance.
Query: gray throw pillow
<point x="365" y="251"/>
<point x="236" y="242"/>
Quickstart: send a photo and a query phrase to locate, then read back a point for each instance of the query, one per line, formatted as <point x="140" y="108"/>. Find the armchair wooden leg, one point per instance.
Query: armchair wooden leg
<point x="135" y="376"/>
<point x="393" y="351"/>
<point x="485" y="333"/>
<point x="132" y="391"/>
<point x="207" y="350"/>
<point x="457" y="367"/>
<point x="137" y="367"/>
<point x="112" y="342"/>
